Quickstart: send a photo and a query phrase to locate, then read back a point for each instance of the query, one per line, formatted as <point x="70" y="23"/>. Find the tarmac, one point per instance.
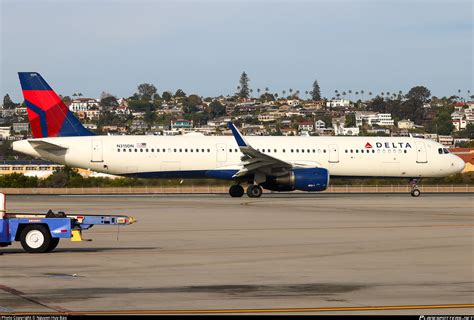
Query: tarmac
<point x="286" y="253"/>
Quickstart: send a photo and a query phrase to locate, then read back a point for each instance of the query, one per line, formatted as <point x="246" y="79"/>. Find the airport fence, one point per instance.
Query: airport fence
<point x="224" y="189"/>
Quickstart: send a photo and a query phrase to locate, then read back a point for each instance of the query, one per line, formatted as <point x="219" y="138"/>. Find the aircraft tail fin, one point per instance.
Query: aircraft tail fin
<point x="47" y="113"/>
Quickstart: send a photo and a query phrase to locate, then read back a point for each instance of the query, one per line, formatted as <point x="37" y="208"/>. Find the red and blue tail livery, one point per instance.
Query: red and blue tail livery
<point x="47" y="113"/>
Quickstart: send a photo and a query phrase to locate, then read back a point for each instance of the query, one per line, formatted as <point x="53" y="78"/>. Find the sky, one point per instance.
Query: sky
<point x="202" y="47"/>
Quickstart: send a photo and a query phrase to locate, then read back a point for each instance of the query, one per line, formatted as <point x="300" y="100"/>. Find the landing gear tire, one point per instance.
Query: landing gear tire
<point x="236" y="191"/>
<point x="254" y="191"/>
<point x="415" y="193"/>
<point x="35" y="239"/>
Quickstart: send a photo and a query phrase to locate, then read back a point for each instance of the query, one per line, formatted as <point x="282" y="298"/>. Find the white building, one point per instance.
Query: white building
<point x="406" y="124"/>
<point x="270" y="116"/>
<point x="4" y="132"/>
<point x="83" y="104"/>
<point x="373" y="118"/>
<point x="320" y="124"/>
<point x="338" y="103"/>
<point x="306" y="126"/>
<point x="446" y="140"/>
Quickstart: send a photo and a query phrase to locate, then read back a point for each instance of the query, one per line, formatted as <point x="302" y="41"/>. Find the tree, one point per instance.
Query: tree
<point x="419" y="94"/>
<point x="350" y="120"/>
<point x="7" y="102"/>
<point x="146" y="91"/>
<point x="109" y="102"/>
<point x="442" y="124"/>
<point x="180" y="94"/>
<point x="216" y="109"/>
<point x="167" y="96"/>
<point x="150" y="117"/>
<point x="316" y="92"/>
<point x="244" y="86"/>
<point x="191" y="103"/>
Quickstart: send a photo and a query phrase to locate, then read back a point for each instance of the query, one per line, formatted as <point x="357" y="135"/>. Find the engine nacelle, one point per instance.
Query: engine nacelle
<point x="305" y="179"/>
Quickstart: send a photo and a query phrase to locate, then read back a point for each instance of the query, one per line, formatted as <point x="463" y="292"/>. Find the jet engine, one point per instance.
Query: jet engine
<point x="305" y="179"/>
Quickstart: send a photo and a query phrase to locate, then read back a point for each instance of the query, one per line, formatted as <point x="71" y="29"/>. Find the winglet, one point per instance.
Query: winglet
<point x="238" y="137"/>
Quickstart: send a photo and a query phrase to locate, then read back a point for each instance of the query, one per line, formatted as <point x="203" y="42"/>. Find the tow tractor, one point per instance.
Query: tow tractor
<point x="41" y="232"/>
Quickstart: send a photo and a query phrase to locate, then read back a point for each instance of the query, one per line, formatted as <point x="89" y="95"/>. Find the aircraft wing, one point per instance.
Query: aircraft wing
<point x="46" y="146"/>
<point x="255" y="161"/>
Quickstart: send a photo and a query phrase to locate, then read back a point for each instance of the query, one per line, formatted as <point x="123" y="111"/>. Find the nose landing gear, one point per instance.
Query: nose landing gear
<point x="415" y="192"/>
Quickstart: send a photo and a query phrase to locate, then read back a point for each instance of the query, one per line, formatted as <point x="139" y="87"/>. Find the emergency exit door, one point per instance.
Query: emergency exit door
<point x="333" y="153"/>
<point x="96" y="152"/>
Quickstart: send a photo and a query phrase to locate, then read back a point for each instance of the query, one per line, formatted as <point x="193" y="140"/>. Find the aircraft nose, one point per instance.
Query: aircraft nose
<point x="457" y="164"/>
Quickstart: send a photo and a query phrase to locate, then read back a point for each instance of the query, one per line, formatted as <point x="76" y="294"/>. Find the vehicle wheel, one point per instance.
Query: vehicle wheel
<point x="415" y="193"/>
<point x="53" y="244"/>
<point x="254" y="191"/>
<point x="35" y="239"/>
<point x="236" y="191"/>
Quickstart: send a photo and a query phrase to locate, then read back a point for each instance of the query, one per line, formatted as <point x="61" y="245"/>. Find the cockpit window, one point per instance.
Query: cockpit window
<point x="445" y="150"/>
<point x="440" y="150"/>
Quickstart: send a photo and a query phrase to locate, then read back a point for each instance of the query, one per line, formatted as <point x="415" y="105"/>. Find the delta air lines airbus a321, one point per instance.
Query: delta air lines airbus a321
<point x="274" y="163"/>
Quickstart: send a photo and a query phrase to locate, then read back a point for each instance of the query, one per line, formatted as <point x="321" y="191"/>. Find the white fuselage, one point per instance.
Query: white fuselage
<point x="196" y="155"/>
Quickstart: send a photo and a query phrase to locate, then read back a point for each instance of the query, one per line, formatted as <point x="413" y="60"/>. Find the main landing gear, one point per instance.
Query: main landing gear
<point x="415" y="192"/>
<point x="236" y="191"/>
<point x="253" y="191"/>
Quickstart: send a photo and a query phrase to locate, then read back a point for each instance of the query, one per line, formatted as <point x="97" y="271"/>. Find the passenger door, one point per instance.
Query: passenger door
<point x="333" y="153"/>
<point x="421" y="153"/>
<point x="96" y="151"/>
<point x="221" y="152"/>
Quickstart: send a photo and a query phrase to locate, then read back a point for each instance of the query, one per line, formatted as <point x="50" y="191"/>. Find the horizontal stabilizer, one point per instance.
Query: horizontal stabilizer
<point x="46" y="146"/>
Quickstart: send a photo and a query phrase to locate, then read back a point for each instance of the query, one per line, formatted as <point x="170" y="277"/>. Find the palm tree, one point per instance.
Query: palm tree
<point x="276" y="95"/>
<point x="283" y="94"/>
<point x="79" y="94"/>
<point x="306" y="94"/>
<point x="362" y="93"/>
<point x="258" y="91"/>
<point x="251" y="91"/>
<point x="350" y="92"/>
<point x="344" y="94"/>
<point x="74" y="95"/>
<point x="357" y="95"/>
<point x="266" y="89"/>
<point x="291" y="91"/>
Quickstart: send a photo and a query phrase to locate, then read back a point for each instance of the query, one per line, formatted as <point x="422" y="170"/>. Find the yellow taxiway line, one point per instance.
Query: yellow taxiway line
<point x="276" y="310"/>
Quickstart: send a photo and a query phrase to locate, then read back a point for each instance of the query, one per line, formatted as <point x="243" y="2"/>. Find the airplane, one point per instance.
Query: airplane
<point x="276" y="163"/>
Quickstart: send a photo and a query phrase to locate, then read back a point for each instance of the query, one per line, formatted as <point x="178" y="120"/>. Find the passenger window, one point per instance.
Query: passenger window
<point x="129" y="150"/>
<point x="346" y="150"/>
<point x="185" y="150"/>
<point x="274" y="150"/>
<point x="404" y="151"/>
<point x="357" y="151"/>
<point x="208" y="150"/>
<point x="324" y="150"/>
<point x="164" y="150"/>
<point x="302" y="150"/>
<point x="174" y="150"/>
<point x="124" y="150"/>
<point x="146" y="150"/>
<point x="136" y="150"/>
<point x="118" y="150"/>
<point x="367" y="151"/>
<point x="283" y="150"/>
<point x="157" y="149"/>
<point x="373" y="151"/>
<point x="291" y="150"/>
